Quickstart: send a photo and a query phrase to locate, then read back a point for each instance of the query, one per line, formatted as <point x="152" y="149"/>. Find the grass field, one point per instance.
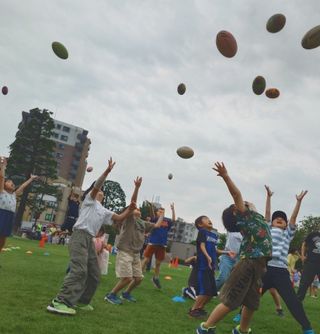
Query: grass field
<point x="29" y="282"/>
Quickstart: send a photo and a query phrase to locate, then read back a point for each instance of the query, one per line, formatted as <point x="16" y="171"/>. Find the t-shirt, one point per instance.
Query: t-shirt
<point x="210" y="239"/>
<point x="159" y="236"/>
<point x="292" y="259"/>
<point x="73" y="209"/>
<point x="280" y="245"/>
<point x="131" y="237"/>
<point x="233" y="242"/>
<point x="313" y="247"/>
<point x="8" y="201"/>
<point x="92" y="216"/>
<point x="257" y="241"/>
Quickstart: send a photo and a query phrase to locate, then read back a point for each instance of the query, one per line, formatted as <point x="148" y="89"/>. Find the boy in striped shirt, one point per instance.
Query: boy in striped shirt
<point x="277" y="275"/>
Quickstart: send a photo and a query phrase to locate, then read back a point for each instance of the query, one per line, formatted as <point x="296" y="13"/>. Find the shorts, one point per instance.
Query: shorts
<point x="206" y="285"/>
<point x="6" y="222"/>
<point x="157" y="250"/>
<point x="128" y="265"/>
<point x="243" y="285"/>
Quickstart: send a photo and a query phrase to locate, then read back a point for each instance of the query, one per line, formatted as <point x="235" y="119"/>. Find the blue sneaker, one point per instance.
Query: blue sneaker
<point x="113" y="299"/>
<point x="237" y="331"/>
<point x="237" y="318"/>
<point x="202" y="330"/>
<point x="128" y="297"/>
<point x="156" y="282"/>
<point x="308" y="331"/>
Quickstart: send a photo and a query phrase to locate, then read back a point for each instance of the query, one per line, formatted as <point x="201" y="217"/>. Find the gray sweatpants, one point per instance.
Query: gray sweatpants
<point x="81" y="282"/>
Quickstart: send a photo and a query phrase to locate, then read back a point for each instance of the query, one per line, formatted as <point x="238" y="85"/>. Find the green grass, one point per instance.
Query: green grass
<point x="29" y="282"/>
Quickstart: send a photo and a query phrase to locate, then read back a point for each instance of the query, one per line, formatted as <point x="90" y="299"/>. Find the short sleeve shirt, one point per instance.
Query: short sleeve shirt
<point x="159" y="236"/>
<point x="257" y="241"/>
<point x="92" y="216"/>
<point x="210" y="239"/>
<point x="8" y="201"/>
<point x="313" y="247"/>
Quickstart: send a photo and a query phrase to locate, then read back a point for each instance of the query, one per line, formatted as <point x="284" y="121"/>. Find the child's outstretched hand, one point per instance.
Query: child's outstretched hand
<point x="301" y="195"/>
<point x="172" y="206"/>
<point x="232" y="254"/>
<point x="110" y="165"/>
<point x="138" y="181"/>
<point x="33" y="177"/>
<point x="220" y="168"/>
<point x="269" y="192"/>
<point x="3" y="162"/>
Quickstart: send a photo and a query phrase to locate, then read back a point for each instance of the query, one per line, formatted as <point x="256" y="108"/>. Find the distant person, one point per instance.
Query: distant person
<point x="8" y="202"/>
<point x="72" y="212"/>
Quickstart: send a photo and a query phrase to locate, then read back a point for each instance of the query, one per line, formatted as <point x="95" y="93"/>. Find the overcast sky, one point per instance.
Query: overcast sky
<point x="126" y="59"/>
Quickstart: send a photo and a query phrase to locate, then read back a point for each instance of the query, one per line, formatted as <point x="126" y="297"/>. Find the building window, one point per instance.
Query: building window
<point x="48" y="217"/>
<point x="66" y="129"/>
<point x="64" y="138"/>
<point x="55" y="135"/>
<point x="59" y="155"/>
<point x="58" y="126"/>
<point x="61" y="146"/>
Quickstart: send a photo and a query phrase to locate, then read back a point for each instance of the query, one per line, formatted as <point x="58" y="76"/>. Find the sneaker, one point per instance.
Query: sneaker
<point x="314" y="296"/>
<point x="85" y="307"/>
<point x="308" y="331"/>
<point x="202" y="330"/>
<point x="197" y="313"/>
<point x="128" y="297"/>
<point x="190" y="292"/>
<point x="113" y="299"/>
<point x="60" y="308"/>
<point x="237" y="331"/>
<point x="237" y="318"/>
<point x="156" y="282"/>
<point x="280" y="312"/>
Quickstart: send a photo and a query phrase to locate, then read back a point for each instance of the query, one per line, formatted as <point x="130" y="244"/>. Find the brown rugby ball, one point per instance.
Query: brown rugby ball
<point x="272" y="93"/>
<point x="311" y="39"/>
<point x="185" y="152"/>
<point x="89" y="169"/>
<point x="226" y="44"/>
<point x="276" y="23"/>
<point x="181" y="89"/>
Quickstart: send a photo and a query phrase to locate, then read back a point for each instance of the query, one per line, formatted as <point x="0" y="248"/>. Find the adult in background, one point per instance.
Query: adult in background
<point x="310" y="256"/>
<point x="72" y="212"/>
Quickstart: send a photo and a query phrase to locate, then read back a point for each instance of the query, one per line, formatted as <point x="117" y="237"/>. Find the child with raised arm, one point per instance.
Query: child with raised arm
<point x="277" y="275"/>
<point x="8" y="202"/>
<point x="83" y="278"/>
<point x="242" y="287"/>
<point x="128" y="263"/>
<point x="158" y="243"/>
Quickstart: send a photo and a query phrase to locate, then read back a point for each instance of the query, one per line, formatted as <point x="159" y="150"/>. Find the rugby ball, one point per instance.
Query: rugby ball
<point x="311" y="39"/>
<point x="272" y="93"/>
<point x="4" y="90"/>
<point x="185" y="152"/>
<point x="60" y="50"/>
<point x="226" y="44"/>
<point x="276" y="23"/>
<point x="181" y="89"/>
<point x="259" y="85"/>
<point x="170" y="176"/>
<point x="89" y="169"/>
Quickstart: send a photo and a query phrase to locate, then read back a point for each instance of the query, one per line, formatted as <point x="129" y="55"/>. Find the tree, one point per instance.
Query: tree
<point x="32" y="152"/>
<point x="114" y="196"/>
<point x="146" y="209"/>
<point x="222" y="241"/>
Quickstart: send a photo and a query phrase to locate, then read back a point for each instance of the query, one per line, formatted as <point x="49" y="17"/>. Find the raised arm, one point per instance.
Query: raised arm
<point x="123" y="215"/>
<point x="234" y="191"/>
<point x="137" y="184"/>
<point x="267" y="215"/>
<point x="99" y="182"/>
<point x="296" y="209"/>
<point x="3" y="165"/>
<point x="24" y="185"/>
<point x="173" y="212"/>
<point x="303" y="251"/>
<point x="159" y="222"/>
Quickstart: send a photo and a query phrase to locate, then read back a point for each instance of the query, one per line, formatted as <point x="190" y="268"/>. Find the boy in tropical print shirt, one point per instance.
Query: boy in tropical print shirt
<point x="243" y="285"/>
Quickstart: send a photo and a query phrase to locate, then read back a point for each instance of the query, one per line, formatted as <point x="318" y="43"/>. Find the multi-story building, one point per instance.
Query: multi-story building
<point x="182" y="231"/>
<point x="72" y="147"/>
